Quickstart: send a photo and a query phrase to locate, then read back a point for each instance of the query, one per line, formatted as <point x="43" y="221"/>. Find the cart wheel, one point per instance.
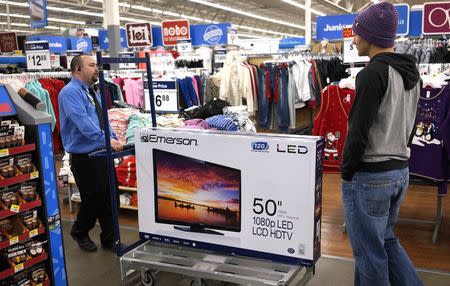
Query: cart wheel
<point x="147" y="278"/>
<point x="196" y="283"/>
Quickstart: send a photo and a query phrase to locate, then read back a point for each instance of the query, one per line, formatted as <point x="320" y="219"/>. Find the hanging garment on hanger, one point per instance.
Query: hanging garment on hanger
<point x="333" y="124"/>
<point x="430" y="151"/>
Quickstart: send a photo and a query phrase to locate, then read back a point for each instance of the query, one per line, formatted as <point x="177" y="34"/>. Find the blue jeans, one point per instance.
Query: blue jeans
<point x="282" y="107"/>
<point x="263" y="102"/>
<point x="371" y="206"/>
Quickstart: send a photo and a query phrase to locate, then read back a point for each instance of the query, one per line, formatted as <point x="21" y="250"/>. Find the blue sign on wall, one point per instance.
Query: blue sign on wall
<point x="290" y="43"/>
<point x="57" y="44"/>
<point x="415" y="23"/>
<point x="330" y="27"/>
<point x="81" y="44"/>
<point x="38" y="13"/>
<point x="157" y="36"/>
<point x="104" y="41"/>
<point x="403" y="19"/>
<point x="210" y="34"/>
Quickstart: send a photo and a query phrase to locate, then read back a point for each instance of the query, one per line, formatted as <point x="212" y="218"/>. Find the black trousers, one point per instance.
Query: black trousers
<point x="91" y="176"/>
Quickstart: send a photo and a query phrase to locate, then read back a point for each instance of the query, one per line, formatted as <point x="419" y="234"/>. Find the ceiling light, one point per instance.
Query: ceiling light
<point x="338" y="6"/>
<point x="27" y="25"/>
<point x="15" y="15"/>
<point x="301" y="6"/>
<point x="67" y="21"/>
<point x="20" y="31"/>
<point x="226" y="8"/>
<point x="67" y="10"/>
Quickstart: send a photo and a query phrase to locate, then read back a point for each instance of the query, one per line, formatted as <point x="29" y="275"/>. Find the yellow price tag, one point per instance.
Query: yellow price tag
<point x="15" y="208"/>
<point x="34" y="232"/>
<point x="34" y="175"/>
<point x="13" y="240"/>
<point x="40" y="284"/>
<point x="18" y="267"/>
<point x="4" y="152"/>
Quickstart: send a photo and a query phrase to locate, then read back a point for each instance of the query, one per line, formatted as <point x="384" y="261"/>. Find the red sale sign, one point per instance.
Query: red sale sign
<point x="175" y="30"/>
<point x="436" y="18"/>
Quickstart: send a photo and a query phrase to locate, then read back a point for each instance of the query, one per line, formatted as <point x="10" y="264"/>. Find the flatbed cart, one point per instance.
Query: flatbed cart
<point x="139" y="266"/>
<point x="141" y="260"/>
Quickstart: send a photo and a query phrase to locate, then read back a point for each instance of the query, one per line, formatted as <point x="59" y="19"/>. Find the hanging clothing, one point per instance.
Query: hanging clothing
<point x="135" y="92"/>
<point x="36" y="88"/>
<point x="430" y="151"/>
<point x="331" y="123"/>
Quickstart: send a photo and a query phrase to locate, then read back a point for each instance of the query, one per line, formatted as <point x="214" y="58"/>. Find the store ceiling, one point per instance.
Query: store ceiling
<point x="264" y="18"/>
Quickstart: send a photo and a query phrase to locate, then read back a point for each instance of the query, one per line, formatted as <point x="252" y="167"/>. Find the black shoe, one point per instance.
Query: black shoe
<point x="85" y="243"/>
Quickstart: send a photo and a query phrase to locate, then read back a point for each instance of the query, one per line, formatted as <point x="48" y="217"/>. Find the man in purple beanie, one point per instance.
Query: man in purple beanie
<point x="374" y="168"/>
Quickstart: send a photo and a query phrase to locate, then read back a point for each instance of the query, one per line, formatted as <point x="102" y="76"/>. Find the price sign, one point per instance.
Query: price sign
<point x="349" y="49"/>
<point x="33" y="233"/>
<point x="184" y="46"/>
<point x="70" y="55"/>
<point x="34" y="175"/>
<point x="13" y="240"/>
<point x="55" y="60"/>
<point x="220" y="56"/>
<point x="4" y="152"/>
<point x="127" y="65"/>
<point x="18" y="267"/>
<point x="15" y="208"/>
<point x="38" y="55"/>
<point x="166" y="96"/>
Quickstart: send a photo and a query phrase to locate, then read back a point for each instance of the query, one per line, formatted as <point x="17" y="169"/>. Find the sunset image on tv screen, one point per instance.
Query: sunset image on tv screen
<point x="191" y="191"/>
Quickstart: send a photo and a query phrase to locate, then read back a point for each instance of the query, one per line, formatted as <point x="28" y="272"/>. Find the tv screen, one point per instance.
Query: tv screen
<point x="196" y="193"/>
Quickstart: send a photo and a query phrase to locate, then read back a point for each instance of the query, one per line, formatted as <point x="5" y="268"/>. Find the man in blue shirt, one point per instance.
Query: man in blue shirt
<point x="82" y="132"/>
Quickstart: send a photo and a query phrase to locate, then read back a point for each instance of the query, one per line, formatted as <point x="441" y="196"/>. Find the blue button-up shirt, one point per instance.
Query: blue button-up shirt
<point x="80" y="128"/>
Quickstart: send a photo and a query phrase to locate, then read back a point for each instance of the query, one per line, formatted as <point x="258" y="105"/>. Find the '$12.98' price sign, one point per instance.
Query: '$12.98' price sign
<point x="38" y="56"/>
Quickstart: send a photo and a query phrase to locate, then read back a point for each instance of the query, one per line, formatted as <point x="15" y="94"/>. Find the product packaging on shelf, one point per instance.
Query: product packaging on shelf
<point x="11" y="134"/>
<point x="254" y="195"/>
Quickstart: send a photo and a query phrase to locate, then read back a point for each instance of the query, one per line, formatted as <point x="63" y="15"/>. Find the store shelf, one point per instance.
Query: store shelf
<point x="127" y="189"/>
<point x="128" y="207"/>
<point x="22" y="208"/>
<point x="27" y="264"/>
<point x="17" y="150"/>
<point x="19" y="179"/>
<point x="22" y="237"/>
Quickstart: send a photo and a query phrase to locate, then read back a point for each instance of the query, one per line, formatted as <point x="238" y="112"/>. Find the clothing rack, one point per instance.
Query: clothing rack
<point x="36" y="75"/>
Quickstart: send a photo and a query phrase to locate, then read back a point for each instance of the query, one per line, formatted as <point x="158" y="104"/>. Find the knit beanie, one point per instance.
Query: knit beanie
<point x="377" y="24"/>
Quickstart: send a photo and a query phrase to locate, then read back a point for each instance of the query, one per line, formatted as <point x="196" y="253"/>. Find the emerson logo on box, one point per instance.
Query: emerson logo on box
<point x="152" y="138"/>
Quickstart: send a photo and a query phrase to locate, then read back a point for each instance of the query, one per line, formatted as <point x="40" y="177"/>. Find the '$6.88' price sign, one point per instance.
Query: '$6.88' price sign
<point x="165" y="94"/>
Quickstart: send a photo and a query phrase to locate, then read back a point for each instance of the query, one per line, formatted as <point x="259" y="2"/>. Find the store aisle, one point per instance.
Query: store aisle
<point x="102" y="267"/>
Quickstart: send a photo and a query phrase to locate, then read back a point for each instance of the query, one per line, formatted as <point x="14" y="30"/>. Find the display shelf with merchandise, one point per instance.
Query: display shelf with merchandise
<point x="34" y="170"/>
<point x="19" y="179"/>
<point x="22" y="266"/>
<point x="22" y="237"/>
<point x="21" y="208"/>
<point x="17" y="150"/>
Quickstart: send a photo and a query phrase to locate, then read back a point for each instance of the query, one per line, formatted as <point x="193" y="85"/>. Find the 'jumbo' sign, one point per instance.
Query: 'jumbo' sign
<point x="175" y="30"/>
<point x="436" y="18"/>
<point x="139" y="34"/>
